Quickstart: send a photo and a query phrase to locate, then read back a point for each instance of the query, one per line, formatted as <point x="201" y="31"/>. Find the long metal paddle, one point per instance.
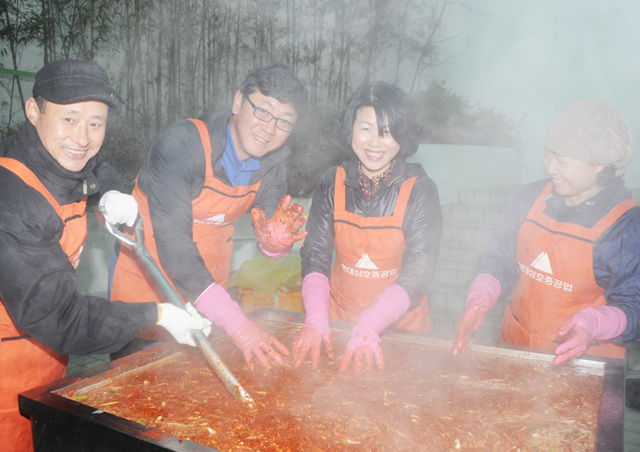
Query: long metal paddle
<point x="213" y="359"/>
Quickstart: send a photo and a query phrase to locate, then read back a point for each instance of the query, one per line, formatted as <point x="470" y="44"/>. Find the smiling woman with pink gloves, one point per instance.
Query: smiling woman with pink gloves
<point x="382" y="218"/>
<point x="568" y="251"/>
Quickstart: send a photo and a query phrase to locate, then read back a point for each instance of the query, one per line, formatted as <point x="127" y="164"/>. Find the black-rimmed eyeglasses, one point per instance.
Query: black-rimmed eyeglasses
<point x="266" y="116"/>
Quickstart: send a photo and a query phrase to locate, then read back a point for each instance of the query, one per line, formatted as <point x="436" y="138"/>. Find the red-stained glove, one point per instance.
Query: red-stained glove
<point x="316" y="330"/>
<point x="364" y="344"/>
<point x="218" y="306"/>
<point x="600" y="323"/>
<point x="252" y="341"/>
<point x="482" y="294"/>
<point x="277" y="234"/>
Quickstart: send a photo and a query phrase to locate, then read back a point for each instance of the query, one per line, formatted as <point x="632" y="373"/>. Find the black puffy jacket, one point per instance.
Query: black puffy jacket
<point x="422" y="223"/>
<point x="38" y="285"/>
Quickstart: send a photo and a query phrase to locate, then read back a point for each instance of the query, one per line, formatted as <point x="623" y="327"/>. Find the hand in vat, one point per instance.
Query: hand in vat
<point x="362" y="348"/>
<point x="316" y="329"/>
<point x="218" y="306"/>
<point x="482" y="294"/>
<point x="600" y="323"/>
<point x="253" y="341"/>
<point x="309" y="339"/>
<point x="475" y="311"/>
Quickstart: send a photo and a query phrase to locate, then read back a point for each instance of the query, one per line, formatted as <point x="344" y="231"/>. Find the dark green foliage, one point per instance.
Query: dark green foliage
<point x="315" y="149"/>
<point x="449" y="119"/>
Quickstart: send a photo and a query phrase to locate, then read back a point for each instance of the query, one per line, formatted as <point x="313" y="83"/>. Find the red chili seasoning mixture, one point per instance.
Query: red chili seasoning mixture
<point x="424" y="399"/>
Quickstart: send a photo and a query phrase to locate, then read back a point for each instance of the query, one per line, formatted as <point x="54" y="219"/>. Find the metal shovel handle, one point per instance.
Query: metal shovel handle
<point x="211" y="356"/>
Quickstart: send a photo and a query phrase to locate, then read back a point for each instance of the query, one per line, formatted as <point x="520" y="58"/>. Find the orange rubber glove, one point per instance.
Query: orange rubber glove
<point x="482" y="293"/>
<point x="282" y="230"/>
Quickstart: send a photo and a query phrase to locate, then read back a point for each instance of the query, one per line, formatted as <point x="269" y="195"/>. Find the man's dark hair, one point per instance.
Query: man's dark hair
<point x="40" y="101"/>
<point x="393" y="107"/>
<point x="277" y="81"/>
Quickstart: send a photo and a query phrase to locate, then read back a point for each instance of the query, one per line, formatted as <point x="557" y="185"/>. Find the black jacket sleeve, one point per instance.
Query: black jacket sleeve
<point x="616" y="268"/>
<point x="38" y="285"/>
<point x="422" y="228"/>
<point x="272" y="188"/>
<point x="498" y="255"/>
<point x="317" y="253"/>
<point x="171" y="177"/>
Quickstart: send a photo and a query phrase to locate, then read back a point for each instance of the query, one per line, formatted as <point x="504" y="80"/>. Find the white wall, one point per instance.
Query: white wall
<point x="530" y="59"/>
<point x="453" y="167"/>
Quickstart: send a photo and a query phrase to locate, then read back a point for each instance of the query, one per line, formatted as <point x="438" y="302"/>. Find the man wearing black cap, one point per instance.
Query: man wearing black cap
<point x="49" y="177"/>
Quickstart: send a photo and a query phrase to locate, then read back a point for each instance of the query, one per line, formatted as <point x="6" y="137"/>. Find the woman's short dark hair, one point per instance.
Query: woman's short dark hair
<point x="393" y="107"/>
<point x="277" y="81"/>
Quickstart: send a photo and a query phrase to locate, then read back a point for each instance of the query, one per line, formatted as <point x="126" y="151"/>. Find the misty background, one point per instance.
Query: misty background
<point x="484" y="72"/>
<point x="532" y="58"/>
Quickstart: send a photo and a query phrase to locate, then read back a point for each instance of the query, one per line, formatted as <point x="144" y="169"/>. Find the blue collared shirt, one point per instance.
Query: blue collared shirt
<point x="237" y="171"/>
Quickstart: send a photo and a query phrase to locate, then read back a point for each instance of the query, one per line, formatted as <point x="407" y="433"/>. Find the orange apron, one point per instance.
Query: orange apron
<point x="556" y="278"/>
<point x="214" y="211"/>
<point x="24" y="362"/>
<point x="368" y="258"/>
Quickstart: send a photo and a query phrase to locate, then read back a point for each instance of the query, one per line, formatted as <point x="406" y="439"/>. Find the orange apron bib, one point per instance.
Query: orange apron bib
<point x="368" y="258"/>
<point x="556" y="278"/>
<point x="214" y="211"/>
<point x="24" y="362"/>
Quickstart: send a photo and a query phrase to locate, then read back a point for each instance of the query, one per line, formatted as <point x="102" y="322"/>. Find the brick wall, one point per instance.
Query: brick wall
<point x="468" y="225"/>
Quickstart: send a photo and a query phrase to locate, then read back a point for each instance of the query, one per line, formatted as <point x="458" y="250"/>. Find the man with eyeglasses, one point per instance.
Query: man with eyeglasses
<point x="199" y="177"/>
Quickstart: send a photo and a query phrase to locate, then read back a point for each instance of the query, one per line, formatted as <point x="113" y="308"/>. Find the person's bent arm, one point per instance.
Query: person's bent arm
<point x="218" y="306"/>
<point x="482" y="294"/>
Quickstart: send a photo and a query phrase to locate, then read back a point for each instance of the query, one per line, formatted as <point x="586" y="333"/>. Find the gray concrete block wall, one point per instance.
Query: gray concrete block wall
<point x="467" y="226"/>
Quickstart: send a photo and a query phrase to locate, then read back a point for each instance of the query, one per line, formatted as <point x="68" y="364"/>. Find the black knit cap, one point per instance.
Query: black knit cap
<point x="70" y="81"/>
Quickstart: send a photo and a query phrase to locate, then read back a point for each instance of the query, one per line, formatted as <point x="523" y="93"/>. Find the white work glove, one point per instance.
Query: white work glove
<point x="119" y="208"/>
<point x="179" y="323"/>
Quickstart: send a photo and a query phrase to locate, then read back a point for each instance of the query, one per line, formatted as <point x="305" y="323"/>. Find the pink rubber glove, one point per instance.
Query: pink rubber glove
<point x="218" y="306"/>
<point x="252" y="341"/>
<point x="600" y="323"/>
<point x="364" y="344"/>
<point x="282" y="230"/>
<point x="482" y="294"/>
<point x="316" y="330"/>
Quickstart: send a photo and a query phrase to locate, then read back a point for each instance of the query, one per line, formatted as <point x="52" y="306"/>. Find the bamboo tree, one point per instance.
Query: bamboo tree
<point x="401" y="39"/>
<point x="159" y="75"/>
<point x="17" y="30"/>
<point x="428" y="48"/>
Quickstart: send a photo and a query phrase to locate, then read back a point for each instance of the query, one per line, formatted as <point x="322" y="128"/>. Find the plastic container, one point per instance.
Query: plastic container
<point x="251" y="300"/>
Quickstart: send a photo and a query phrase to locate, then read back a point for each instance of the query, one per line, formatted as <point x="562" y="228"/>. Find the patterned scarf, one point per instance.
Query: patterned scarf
<point x="371" y="186"/>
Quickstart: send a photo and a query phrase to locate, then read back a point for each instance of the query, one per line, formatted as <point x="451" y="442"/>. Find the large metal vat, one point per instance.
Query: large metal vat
<point x="64" y="424"/>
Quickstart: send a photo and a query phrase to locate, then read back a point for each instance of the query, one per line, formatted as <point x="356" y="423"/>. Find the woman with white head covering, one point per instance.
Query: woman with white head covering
<point x="568" y="250"/>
